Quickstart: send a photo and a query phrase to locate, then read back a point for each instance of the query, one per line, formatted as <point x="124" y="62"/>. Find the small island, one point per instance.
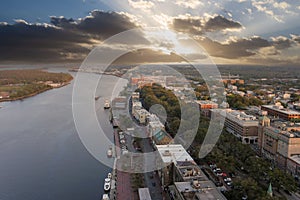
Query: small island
<point x="20" y="84"/>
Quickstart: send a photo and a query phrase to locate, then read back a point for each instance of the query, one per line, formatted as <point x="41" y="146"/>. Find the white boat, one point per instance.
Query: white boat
<point x="109" y="175"/>
<point x="106" y="104"/>
<point x="107" y="184"/>
<point x="109" y="152"/>
<point x="105" y="197"/>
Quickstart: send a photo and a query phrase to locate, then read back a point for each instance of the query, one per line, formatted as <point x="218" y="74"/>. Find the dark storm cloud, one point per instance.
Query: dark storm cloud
<point x="34" y="42"/>
<point x="148" y="56"/>
<point x="99" y="23"/>
<point x="197" y="25"/>
<point x="189" y="25"/>
<point x="234" y="49"/>
<point x="66" y="40"/>
<point x="282" y="43"/>
<point x="220" y="23"/>
<point x="296" y="38"/>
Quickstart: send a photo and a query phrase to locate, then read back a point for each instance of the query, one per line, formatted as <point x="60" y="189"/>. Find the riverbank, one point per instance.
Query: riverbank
<point x="33" y="94"/>
<point x="20" y="84"/>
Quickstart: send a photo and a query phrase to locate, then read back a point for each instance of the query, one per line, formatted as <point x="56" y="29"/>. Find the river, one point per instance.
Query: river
<point x="41" y="155"/>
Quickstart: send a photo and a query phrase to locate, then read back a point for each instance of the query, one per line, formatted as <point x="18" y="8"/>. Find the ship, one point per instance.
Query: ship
<point x="109" y="152"/>
<point x="106" y="104"/>
<point x="107" y="184"/>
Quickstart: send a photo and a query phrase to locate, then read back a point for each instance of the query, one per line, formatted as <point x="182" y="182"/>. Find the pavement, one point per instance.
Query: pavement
<point x="152" y="181"/>
<point x="123" y="185"/>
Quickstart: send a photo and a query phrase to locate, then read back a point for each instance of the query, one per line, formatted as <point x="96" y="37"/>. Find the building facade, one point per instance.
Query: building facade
<point x="241" y="125"/>
<point x="280" y="143"/>
<point x="277" y="111"/>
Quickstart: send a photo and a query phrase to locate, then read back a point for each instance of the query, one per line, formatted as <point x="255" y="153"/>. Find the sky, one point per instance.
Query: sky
<point x="258" y="32"/>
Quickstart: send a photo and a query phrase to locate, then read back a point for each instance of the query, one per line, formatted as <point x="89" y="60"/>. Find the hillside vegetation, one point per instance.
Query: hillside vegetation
<point x="19" y="84"/>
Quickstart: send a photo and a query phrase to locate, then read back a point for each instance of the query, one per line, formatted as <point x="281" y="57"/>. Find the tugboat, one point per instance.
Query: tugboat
<point x="106" y="104"/>
<point x="109" y="152"/>
<point x="107" y="184"/>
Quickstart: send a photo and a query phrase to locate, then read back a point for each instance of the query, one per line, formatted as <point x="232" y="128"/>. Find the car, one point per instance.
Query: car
<point x="219" y="173"/>
<point x="122" y="141"/>
<point x="213" y="166"/>
<point x="217" y="170"/>
<point x="229" y="184"/>
<point x="227" y="179"/>
<point x="224" y="174"/>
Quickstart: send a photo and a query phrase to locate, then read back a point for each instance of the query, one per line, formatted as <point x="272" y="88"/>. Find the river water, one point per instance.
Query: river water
<point x="41" y="155"/>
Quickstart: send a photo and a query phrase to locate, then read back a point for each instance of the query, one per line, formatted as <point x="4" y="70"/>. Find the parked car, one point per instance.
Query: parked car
<point x="213" y="166"/>
<point x="227" y="179"/>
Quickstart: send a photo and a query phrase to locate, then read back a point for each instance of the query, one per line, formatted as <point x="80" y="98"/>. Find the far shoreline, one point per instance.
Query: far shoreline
<point x="21" y="84"/>
<point x="33" y="94"/>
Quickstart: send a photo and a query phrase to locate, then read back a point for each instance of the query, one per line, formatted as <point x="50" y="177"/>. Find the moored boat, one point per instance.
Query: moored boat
<point x="107" y="184"/>
<point x="109" y="152"/>
<point x="106" y="104"/>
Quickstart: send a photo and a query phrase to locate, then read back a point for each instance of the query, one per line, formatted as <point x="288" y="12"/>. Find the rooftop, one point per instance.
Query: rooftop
<point x="173" y="153"/>
<point x="202" y="189"/>
<point x="202" y="102"/>
<point x="296" y="158"/>
<point x="282" y="110"/>
<point x="189" y="171"/>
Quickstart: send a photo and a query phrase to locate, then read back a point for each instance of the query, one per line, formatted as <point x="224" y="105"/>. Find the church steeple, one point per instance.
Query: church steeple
<point x="270" y="190"/>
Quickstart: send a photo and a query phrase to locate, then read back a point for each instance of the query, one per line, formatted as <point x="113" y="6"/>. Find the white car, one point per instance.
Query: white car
<point x="227" y="180"/>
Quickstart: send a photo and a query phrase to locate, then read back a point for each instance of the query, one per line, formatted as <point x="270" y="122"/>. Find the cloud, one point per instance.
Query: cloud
<point x="64" y="40"/>
<point x="281" y="5"/>
<point x="189" y="3"/>
<point x="141" y="4"/>
<point x="281" y="42"/>
<point x="276" y="10"/>
<point x="233" y="49"/>
<point x="143" y="56"/>
<point x="191" y="25"/>
<point x="197" y="25"/>
<point x="296" y="38"/>
<point x="268" y="51"/>
<point x="101" y="24"/>
<point x="220" y="23"/>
